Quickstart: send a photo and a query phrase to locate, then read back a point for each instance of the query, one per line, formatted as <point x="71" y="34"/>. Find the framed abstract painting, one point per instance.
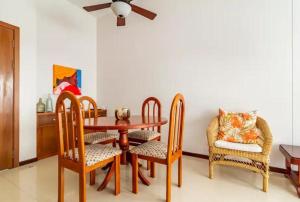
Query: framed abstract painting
<point x="66" y="79"/>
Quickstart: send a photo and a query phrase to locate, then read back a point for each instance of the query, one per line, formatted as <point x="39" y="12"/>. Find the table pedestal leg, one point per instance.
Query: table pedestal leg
<point x="107" y="177"/>
<point x="124" y="145"/>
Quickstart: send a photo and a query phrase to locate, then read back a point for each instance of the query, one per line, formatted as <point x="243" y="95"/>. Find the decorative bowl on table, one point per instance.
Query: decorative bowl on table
<point x="122" y="114"/>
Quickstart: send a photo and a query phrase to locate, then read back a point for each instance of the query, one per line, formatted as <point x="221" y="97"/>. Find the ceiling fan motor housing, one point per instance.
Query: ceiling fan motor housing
<point x="121" y="8"/>
<point x="126" y="1"/>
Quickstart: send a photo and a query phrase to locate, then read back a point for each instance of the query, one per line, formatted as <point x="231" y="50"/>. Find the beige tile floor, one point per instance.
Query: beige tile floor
<point x="38" y="182"/>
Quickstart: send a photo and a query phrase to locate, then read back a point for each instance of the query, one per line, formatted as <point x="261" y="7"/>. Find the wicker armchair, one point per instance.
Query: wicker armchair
<point x="256" y="161"/>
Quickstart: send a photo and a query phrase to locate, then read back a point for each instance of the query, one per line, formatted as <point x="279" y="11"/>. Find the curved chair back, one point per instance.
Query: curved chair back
<point x="89" y="107"/>
<point x="151" y="109"/>
<point x="176" y="126"/>
<point x="70" y="129"/>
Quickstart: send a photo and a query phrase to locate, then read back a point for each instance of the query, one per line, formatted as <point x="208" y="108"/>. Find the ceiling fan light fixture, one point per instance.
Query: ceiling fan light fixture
<point x="121" y="9"/>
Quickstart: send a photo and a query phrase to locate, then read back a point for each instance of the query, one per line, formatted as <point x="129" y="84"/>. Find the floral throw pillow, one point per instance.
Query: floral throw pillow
<point x="238" y="127"/>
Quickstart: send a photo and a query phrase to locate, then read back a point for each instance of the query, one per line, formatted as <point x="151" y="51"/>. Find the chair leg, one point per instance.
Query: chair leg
<point x="117" y="175"/>
<point x="82" y="189"/>
<point x="60" y="183"/>
<point x="152" y="169"/>
<point x="148" y="165"/>
<point x="211" y="170"/>
<point x="134" y="161"/>
<point x="265" y="184"/>
<point x="92" y="177"/>
<point x="169" y="175"/>
<point x="180" y="171"/>
<point x="266" y="179"/>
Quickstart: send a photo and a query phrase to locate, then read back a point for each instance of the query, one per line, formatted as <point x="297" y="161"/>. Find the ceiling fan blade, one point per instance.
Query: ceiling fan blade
<point x="96" y="7"/>
<point x="148" y="14"/>
<point x="121" y="21"/>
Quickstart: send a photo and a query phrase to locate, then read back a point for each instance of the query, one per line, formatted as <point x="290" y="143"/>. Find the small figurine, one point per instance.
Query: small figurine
<point x="122" y="114"/>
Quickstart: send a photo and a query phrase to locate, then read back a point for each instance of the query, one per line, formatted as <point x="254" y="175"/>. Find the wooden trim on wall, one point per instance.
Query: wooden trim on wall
<point x="22" y="163"/>
<point x="204" y="156"/>
<point x="277" y="170"/>
<point x="16" y="31"/>
<point x="201" y="156"/>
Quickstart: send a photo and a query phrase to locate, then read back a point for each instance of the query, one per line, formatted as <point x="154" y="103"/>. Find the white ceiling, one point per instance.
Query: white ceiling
<point x="82" y="3"/>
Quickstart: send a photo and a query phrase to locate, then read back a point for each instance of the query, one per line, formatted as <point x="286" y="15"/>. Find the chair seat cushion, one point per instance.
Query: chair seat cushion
<point x="152" y="148"/>
<point x="96" y="153"/>
<point x="238" y="146"/>
<point x="145" y="135"/>
<point x="98" y="137"/>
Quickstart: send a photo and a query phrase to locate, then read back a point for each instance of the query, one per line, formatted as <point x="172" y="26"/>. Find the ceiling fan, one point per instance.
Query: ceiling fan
<point x="122" y="9"/>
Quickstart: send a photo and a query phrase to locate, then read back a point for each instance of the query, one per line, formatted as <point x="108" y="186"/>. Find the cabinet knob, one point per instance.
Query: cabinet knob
<point x="54" y="119"/>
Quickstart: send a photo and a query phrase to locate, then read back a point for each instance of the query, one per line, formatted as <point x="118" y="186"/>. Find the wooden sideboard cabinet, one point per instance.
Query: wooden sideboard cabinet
<point x="47" y="142"/>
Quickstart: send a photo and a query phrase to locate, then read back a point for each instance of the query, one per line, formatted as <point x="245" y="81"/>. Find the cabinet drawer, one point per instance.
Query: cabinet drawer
<point x="102" y="112"/>
<point x="46" y="120"/>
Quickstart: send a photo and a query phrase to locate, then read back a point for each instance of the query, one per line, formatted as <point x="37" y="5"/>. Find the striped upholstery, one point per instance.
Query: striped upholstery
<point x="96" y="153"/>
<point x="98" y="137"/>
<point x="145" y="135"/>
<point x="152" y="148"/>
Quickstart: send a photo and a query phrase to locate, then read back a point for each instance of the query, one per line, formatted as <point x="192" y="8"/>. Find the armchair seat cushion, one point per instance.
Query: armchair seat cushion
<point x="238" y="146"/>
<point x="145" y="135"/>
<point x="98" y="137"/>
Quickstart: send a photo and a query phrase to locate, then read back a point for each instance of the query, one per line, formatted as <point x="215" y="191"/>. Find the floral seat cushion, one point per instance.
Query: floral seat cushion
<point x="145" y="135"/>
<point x="96" y="153"/>
<point x="152" y="148"/>
<point x="98" y="137"/>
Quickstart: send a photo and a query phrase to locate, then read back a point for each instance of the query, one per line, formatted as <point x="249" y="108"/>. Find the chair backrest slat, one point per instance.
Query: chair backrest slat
<point x="73" y="129"/>
<point x="66" y="123"/>
<point x="60" y="131"/>
<point x="151" y="109"/>
<point x="70" y="128"/>
<point x="89" y="107"/>
<point x="176" y="125"/>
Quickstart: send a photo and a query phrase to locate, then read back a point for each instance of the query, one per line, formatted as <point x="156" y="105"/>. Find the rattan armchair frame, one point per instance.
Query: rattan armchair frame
<point x="258" y="162"/>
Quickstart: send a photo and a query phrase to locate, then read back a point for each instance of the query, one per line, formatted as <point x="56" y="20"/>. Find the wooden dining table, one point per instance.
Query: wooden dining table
<point x="123" y="126"/>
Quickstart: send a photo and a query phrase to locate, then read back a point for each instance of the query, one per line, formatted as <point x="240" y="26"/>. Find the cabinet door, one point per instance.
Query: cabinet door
<point x="47" y="141"/>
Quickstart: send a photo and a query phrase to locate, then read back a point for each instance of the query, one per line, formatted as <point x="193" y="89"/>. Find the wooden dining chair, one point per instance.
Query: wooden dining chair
<point x="73" y="154"/>
<point x="90" y="110"/>
<point x="156" y="151"/>
<point x="151" y="110"/>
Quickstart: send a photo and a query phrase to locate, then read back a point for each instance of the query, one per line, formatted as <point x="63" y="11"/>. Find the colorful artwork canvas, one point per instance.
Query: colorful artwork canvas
<point x="66" y="79"/>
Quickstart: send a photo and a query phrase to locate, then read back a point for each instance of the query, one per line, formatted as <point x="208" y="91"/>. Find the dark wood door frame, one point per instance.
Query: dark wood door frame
<point x="16" y="73"/>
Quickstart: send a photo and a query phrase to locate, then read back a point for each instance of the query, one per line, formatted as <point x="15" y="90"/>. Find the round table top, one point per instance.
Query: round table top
<point x="134" y="122"/>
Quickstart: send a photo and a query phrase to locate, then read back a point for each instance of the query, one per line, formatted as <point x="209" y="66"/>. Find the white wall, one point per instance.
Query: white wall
<point x="24" y="16"/>
<point x="219" y="53"/>
<point x="66" y="35"/>
<point x="51" y="32"/>
<point x="296" y="43"/>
